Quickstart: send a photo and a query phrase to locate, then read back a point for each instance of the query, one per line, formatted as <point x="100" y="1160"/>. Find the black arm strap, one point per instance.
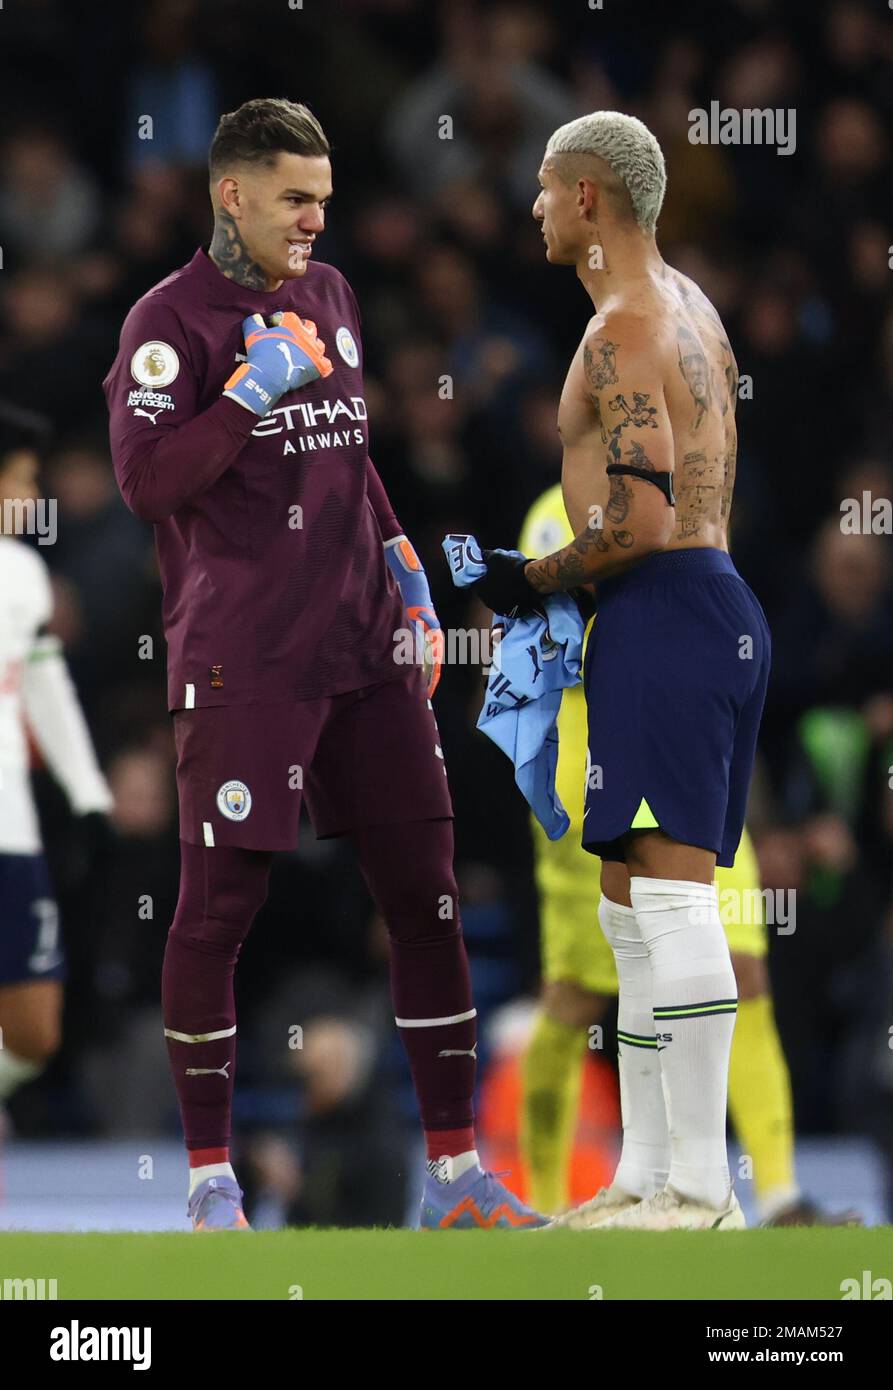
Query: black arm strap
<point x="662" y="481"/>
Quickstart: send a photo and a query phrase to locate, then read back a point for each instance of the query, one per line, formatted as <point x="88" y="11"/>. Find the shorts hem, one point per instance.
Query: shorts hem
<point x="610" y="847"/>
<point x="281" y="847"/>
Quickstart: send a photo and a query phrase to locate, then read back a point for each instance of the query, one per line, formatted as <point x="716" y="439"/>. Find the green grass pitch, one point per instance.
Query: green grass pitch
<point x="396" y="1264"/>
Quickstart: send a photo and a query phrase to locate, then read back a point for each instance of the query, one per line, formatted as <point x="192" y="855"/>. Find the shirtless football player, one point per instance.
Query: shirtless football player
<point x="676" y="668"/>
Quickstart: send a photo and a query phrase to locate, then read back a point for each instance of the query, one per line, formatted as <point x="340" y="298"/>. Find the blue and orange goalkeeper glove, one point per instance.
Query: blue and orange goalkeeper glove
<point x="281" y="358"/>
<point x="406" y="567"/>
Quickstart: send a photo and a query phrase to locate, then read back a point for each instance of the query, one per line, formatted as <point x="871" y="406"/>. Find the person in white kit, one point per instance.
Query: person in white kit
<point x="37" y="696"/>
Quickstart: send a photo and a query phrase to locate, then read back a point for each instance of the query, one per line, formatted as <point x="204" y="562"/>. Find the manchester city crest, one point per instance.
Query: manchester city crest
<point x="234" y="800"/>
<point x="344" y="341"/>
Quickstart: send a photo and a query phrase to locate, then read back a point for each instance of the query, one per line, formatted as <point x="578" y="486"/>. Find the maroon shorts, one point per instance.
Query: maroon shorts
<point x="368" y="757"/>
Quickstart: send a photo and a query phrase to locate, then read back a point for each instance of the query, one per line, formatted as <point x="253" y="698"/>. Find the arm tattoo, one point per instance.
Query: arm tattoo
<point x="730" y="373"/>
<point x="728" y="481"/>
<point x="699" y="493"/>
<point x="640" y="414"/>
<point x="230" y="255"/>
<point x="692" y="363"/>
<point x="600" y="364"/>
<point x="638" y="458"/>
<point x="573" y="565"/>
<point x="617" y="509"/>
<point x="579" y="562"/>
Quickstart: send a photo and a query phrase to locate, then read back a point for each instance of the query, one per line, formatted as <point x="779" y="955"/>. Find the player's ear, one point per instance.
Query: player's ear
<point x="229" y="196"/>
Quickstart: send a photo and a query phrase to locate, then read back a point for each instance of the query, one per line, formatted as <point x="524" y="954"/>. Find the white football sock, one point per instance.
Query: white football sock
<point x="695" y="1000"/>
<point x="645" y="1157"/>
<point x="209" y="1170"/>
<point x="15" y="1071"/>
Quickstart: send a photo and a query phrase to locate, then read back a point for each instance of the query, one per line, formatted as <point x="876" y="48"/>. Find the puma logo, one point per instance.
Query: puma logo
<point x="148" y="414"/>
<point x="460" y="1052"/>
<point x="210" y="1071"/>
<point x="292" y="365"/>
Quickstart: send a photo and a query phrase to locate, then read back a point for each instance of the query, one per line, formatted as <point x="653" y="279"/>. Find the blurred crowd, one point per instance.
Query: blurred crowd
<point x="468" y="334"/>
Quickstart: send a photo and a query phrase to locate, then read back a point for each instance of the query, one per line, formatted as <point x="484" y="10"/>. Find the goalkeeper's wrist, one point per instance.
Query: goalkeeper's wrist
<point x="252" y="389"/>
<point x="407" y="569"/>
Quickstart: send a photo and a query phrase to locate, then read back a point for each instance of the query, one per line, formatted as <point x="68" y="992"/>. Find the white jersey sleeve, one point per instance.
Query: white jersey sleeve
<point x="26" y="603"/>
<point x="55" y="718"/>
<point x="43" y="699"/>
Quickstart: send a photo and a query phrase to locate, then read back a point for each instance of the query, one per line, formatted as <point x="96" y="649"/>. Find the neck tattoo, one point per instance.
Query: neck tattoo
<point x="230" y="255"/>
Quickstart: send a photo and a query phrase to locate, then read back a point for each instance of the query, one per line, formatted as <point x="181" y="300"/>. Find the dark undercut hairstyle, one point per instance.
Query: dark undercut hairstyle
<point x="261" y="129"/>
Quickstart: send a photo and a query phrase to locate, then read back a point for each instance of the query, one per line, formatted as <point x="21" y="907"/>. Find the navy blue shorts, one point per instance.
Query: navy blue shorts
<point x="675" y="678"/>
<point x="30" y="945"/>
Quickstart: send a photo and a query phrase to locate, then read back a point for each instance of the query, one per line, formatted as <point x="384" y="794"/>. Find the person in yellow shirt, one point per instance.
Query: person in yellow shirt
<point x="580" y="979"/>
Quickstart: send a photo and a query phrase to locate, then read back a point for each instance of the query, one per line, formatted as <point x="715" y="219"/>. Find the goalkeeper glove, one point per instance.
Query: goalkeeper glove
<point x="406" y="567"/>
<point x="281" y="358"/>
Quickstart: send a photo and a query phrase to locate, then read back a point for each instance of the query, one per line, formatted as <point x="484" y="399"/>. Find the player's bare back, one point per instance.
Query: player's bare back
<point x="600" y="424"/>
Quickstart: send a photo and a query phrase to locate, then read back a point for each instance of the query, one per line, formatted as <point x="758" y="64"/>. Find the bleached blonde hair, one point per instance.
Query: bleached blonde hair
<point x="631" y="152"/>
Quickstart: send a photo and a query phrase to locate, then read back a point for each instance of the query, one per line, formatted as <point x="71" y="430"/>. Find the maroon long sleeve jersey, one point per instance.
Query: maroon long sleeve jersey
<point x="268" y="531"/>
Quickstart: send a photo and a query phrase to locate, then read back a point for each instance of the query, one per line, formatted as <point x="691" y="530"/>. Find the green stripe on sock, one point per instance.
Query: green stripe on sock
<point x="636" y="1040"/>
<point x="696" y="1011"/>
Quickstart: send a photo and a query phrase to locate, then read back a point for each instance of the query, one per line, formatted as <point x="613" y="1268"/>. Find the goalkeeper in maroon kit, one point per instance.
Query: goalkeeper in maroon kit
<point x="238" y="427"/>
